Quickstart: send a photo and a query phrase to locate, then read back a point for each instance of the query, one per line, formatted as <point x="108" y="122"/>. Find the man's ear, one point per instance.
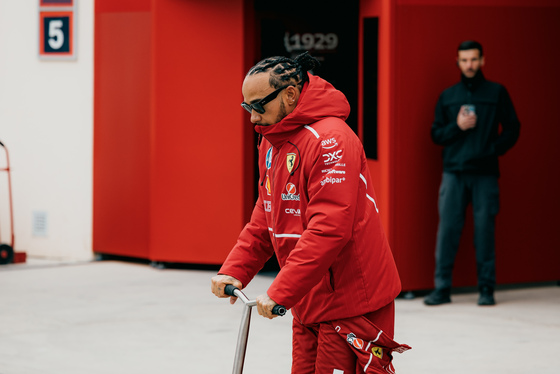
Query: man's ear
<point x="292" y="95"/>
<point x="482" y="61"/>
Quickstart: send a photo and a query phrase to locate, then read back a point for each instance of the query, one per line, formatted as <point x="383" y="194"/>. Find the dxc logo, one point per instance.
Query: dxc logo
<point x="333" y="157"/>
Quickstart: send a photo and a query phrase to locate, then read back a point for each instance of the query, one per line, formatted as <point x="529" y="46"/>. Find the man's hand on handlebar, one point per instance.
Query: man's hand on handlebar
<point x="265" y="305"/>
<point x="220" y="281"/>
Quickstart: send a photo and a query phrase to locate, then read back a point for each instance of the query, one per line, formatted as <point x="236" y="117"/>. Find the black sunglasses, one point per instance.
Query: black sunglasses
<point x="259" y="105"/>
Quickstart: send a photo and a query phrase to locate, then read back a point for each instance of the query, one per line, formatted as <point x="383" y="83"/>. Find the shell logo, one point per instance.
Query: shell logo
<point x="267" y="185"/>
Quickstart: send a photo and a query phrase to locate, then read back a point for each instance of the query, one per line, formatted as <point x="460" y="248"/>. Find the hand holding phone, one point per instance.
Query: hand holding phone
<point x="468" y="110"/>
<point x="466" y="119"/>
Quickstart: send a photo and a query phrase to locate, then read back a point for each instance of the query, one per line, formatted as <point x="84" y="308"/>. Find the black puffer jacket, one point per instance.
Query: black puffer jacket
<point x="475" y="151"/>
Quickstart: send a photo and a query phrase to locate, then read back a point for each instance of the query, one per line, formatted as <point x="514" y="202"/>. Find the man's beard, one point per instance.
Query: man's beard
<point x="281" y="114"/>
<point x="471" y="72"/>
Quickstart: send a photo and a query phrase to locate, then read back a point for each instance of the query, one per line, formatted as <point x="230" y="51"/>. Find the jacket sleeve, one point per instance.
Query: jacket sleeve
<point x="329" y="221"/>
<point x="510" y="124"/>
<point x="445" y="131"/>
<point x="252" y="250"/>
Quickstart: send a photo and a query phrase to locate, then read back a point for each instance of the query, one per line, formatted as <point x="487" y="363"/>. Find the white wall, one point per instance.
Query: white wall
<point x="46" y="121"/>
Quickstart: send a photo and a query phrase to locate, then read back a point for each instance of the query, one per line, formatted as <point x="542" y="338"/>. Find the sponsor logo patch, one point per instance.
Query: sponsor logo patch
<point x="377" y="352"/>
<point x="290" y="161"/>
<point x="332" y="157"/>
<point x="269" y="158"/>
<point x="291" y="188"/>
<point x="267" y="185"/>
<point x="291" y="195"/>
<point x="267" y="205"/>
<point x="295" y="212"/>
<point x="332" y="180"/>
<point x="334" y="171"/>
<point x="354" y="341"/>
<point x="329" y="143"/>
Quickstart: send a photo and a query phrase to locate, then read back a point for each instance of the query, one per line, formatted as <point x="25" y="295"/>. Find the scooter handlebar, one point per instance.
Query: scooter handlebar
<point x="279" y="310"/>
<point x="231" y="291"/>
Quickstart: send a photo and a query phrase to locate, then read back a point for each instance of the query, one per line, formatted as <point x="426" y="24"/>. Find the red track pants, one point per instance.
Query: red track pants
<point x="348" y="346"/>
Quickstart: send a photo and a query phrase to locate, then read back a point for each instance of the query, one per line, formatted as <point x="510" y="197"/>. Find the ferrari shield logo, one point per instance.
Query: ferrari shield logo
<point x="290" y="161"/>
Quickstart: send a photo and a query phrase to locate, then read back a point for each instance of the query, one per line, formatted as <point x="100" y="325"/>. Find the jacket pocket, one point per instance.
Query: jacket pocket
<point x="329" y="280"/>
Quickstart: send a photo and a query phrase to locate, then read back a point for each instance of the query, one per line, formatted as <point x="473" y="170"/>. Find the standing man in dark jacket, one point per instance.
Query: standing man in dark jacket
<point x="467" y="123"/>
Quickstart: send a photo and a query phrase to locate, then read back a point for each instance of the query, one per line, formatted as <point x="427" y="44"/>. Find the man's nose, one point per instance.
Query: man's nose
<point x="255" y="117"/>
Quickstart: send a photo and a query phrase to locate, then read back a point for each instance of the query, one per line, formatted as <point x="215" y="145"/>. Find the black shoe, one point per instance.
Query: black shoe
<point x="486" y="296"/>
<point x="438" y="296"/>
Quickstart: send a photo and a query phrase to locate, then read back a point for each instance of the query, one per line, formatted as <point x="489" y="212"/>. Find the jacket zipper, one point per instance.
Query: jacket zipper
<point x="272" y="172"/>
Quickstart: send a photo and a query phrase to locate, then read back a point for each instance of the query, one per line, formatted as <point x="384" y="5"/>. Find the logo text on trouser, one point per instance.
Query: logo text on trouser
<point x="336" y="371"/>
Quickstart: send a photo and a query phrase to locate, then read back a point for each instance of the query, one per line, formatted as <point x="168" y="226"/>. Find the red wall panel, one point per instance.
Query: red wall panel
<point x="169" y="132"/>
<point x="380" y="168"/>
<point x="121" y="133"/>
<point x="197" y="169"/>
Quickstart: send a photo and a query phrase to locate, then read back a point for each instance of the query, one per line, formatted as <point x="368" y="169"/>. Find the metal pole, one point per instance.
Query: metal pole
<point x="11" y="201"/>
<point x="7" y="169"/>
<point x="243" y="332"/>
<point x="245" y="322"/>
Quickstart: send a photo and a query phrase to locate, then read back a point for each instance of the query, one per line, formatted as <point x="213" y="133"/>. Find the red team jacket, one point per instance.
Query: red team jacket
<point x="318" y="212"/>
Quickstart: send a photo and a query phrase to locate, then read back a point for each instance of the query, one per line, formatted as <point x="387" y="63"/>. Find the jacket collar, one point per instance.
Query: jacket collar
<point x="318" y="100"/>
<point x="474" y="82"/>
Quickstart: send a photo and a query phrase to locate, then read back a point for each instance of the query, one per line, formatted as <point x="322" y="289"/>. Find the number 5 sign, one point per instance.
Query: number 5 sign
<point x="56" y="29"/>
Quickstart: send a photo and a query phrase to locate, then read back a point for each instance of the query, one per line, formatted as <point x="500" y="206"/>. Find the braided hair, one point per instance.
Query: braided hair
<point x="284" y="70"/>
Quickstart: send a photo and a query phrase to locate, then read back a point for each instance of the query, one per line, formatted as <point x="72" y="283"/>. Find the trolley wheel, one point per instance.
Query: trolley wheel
<point x="6" y="254"/>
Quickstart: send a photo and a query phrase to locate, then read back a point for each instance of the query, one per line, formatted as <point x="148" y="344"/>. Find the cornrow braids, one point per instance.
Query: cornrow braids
<point x="284" y="70"/>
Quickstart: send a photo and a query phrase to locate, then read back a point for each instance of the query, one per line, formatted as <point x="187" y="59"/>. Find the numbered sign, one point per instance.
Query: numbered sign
<point x="310" y="42"/>
<point x="56" y="29"/>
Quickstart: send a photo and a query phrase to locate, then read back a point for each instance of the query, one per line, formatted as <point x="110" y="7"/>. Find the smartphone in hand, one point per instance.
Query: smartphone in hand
<point x="468" y="110"/>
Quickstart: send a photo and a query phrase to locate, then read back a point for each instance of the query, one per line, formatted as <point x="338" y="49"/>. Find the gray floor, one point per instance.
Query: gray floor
<point x="118" y="317"/>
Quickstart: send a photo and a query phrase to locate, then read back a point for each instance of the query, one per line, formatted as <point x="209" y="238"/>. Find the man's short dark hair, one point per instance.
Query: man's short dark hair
<point x="470" y="44"/>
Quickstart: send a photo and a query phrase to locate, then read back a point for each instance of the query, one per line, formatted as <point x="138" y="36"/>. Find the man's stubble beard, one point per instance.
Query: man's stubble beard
<point x="282" y="114"/>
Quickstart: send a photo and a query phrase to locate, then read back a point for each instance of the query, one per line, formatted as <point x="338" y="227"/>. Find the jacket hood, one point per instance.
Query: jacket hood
<point x="318" y="100"/>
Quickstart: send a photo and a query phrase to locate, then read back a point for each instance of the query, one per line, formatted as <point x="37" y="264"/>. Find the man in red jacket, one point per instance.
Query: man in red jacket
<point x="317" y="211"/>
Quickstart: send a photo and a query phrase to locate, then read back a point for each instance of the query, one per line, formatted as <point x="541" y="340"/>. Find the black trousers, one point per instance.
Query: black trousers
<point x="456" y="192"/>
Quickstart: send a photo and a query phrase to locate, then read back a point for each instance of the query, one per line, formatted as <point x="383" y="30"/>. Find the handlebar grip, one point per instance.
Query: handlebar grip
<point x="279" y="310"/>
<point x="230" y="288"/>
